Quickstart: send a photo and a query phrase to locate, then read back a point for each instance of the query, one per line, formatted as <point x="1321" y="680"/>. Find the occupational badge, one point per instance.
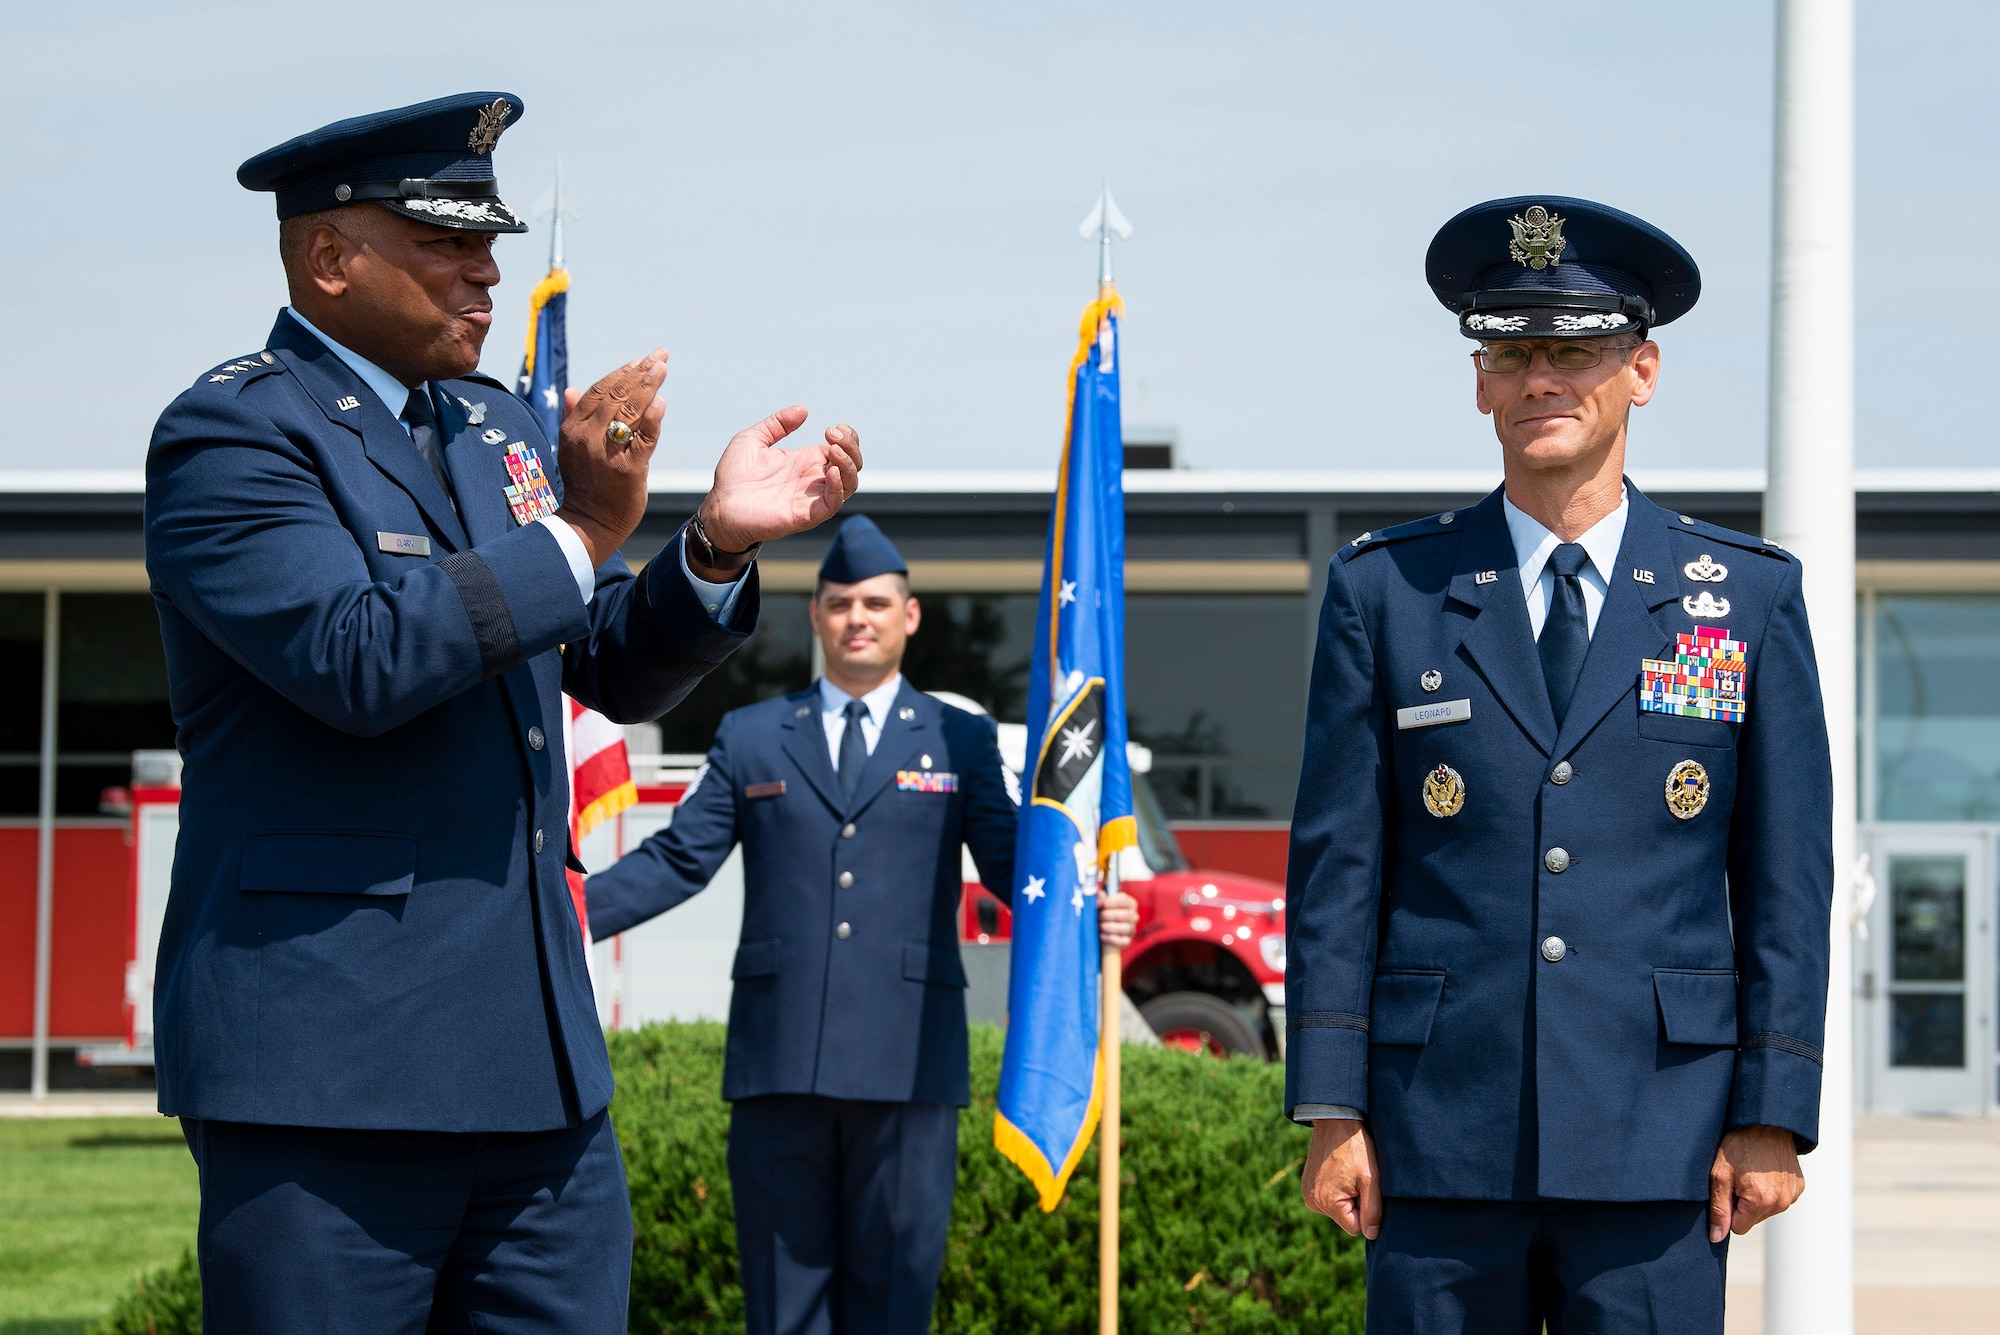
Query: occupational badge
<point x="1444" y="792"/>
<point x="1687" y="790"/>
<point x="492" y="120"/>
<point x="1704" y="679"/>
<point x="529" y="494"/>
<point x="1538" y="238"/>
<point x="1705" y="571"/>
<point x="1705" y="604"/>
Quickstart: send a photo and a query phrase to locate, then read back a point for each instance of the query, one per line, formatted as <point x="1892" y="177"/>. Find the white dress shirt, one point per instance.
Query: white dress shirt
<point x="833" y="716"/>
<point x="719" y="599"/>
<point x="1533" y="545"/>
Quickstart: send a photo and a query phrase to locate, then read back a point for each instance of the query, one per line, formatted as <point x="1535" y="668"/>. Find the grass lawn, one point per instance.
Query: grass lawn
<point x="85" y="1205"/>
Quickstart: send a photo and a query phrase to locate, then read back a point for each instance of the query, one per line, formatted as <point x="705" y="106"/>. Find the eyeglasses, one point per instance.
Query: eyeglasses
<point x="1574" y="355"/>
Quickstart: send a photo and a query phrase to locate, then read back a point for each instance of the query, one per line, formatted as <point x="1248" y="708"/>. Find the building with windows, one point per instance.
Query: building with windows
<point x="1223" y="578"/>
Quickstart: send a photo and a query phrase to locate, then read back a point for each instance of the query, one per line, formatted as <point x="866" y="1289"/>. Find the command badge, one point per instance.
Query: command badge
<point x="1705" y="571"/>
<point x="1687" y="790"/>
<point x="1538" y="238"/>
<point x="1444" y="791"/>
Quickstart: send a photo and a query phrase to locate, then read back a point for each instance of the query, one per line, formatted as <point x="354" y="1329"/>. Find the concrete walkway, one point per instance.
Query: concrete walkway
<point x="1926" y="1231"/>
<point x="82" y="1103"/>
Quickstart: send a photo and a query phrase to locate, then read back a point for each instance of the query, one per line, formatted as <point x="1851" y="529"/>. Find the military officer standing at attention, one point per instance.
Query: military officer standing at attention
<point x="846" y="1057"/>
<point x="1561" y="866"/>
<point x="374" y="582"/>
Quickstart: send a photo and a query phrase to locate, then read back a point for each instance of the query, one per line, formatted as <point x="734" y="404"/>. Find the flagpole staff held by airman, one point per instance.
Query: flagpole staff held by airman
<point x="1104" y="222"/>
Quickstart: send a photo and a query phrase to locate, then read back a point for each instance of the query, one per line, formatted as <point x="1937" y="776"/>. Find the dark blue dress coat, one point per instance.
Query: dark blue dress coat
<point x="369" y="925"/>
<point x="880" y="1012"/>
<point x="1692" y="996"/>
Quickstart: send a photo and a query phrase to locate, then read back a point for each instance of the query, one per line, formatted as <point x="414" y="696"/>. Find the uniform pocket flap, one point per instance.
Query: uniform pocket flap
<point x="1697" y="1006"/>
<point x="927" y="964"/>
<point x="1403" y="1005"/>
<point x="329" y="862"/>
<point x="1685" y="731"/>
<point x="755" y="959"/>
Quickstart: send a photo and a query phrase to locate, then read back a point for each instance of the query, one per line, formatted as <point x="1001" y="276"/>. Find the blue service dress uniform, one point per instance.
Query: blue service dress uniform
<point x="373" y="1007"/>
<point x="846" y="1056"/>
<point x="1551" y="999"/>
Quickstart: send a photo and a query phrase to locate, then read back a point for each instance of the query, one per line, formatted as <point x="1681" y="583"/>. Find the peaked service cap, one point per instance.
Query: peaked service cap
<point x="860" y="551"/>
<point x="432" y="162"/>
<point x="1542" y="266"/>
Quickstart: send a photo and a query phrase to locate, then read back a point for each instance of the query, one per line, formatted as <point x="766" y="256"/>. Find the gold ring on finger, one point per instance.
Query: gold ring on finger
<point x="618" y="435"/>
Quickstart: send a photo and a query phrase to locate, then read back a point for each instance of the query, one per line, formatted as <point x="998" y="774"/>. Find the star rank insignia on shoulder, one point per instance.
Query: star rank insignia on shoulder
<point x="242" y="369"/>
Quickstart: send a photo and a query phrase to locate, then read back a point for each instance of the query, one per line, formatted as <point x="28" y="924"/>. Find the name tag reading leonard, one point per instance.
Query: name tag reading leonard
<point x="1444" y="711"/>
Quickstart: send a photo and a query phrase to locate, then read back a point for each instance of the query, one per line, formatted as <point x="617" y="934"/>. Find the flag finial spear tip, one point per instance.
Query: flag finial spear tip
<point x="556" y="222"/>
<point x="1104" y="222"/>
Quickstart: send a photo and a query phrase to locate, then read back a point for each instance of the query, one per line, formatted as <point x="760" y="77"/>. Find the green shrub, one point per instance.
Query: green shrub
<point x="166" y="1301"/>
<point x="1214" y="1235"/>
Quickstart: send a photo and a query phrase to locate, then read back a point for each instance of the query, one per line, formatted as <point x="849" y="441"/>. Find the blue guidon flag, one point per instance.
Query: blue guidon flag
<point x="1078" y="810"/>
<point x="545" y="364"/>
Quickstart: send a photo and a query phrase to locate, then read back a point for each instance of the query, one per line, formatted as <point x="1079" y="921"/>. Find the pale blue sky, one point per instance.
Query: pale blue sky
<point x="872" y="208"/>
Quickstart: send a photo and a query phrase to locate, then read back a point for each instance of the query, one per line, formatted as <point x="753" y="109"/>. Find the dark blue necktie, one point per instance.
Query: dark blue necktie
<point x="1566" y="631"/>
<point x="853" y="749"/>
<point x="423" y="421"/>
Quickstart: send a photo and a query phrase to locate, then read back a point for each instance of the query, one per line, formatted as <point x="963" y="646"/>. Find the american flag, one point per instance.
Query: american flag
<point x="600" y="784"/>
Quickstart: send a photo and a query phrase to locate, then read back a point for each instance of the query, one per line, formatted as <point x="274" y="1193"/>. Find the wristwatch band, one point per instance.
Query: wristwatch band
<point x="708" y="554"/>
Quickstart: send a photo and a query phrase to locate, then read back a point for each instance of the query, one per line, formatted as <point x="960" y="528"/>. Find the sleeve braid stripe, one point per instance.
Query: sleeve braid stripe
<point x="486" y="606"/>
<point x="1326" y="1020"/>
<point x="1765" y="1038"/>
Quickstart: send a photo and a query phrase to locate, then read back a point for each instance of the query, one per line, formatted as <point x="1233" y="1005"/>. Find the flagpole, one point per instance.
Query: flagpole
<point x="1108" y="1131"/>
<point x="1104" y="222"/>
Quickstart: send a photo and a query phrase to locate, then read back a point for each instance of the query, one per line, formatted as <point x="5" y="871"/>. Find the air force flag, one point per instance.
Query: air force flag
<point x="1078" y="811"/>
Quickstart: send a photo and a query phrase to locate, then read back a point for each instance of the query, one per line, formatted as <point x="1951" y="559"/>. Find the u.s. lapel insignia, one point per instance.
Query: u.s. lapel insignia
<point x="1642" y="576"/>
<point x="1705" y="571"/>
<point x="492" y="121"/>
<point x="1705" y="604"/>
<point x="1486" y="577"/>
<point x="493" y="435"/>
<point x="529" y="495"/>
<point x="1538" y="238"/>
<point x="1444" y="792"/>
<point x="347" y="403"/>
<point x="1687" y="790"/>
<point x="906" y="713"/>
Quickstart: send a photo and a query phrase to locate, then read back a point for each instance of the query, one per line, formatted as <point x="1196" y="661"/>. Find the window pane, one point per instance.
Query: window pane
<point x="1927" y="904"/>
<point x="1938" y="721"/>
<point x="20" y="700"/>
<point x="1926" y="1029"/>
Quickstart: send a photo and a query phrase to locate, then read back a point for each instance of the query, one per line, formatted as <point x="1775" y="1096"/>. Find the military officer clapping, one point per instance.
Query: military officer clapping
<point x="375" y="579"/>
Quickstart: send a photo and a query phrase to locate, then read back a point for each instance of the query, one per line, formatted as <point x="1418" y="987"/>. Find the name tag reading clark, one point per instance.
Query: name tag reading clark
<point x="403" y="544"/>
<point x="1444" y="711"/>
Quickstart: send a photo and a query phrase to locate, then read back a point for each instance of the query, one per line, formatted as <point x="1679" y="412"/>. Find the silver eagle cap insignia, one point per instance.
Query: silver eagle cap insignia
<point x="1538" y="238"/>
<point x="492" y="121"/>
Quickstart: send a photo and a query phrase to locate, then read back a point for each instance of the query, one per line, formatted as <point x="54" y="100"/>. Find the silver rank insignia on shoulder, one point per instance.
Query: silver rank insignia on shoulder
<point x="1705" y="604"/>
<point x="1444" y="792"/>
<point x="1642" y="576"/>
<point x="347" y="404"/>
<point x="1487" y="577"/>
<point x="493" y="435"/>
<point x="219" y="378"/>
<point x="1705" y="571"/>
<point x="1431" y="680"/>
<point x="1538" y="238"/>
<point x="1687" y="790"/>
<point x="1360" y="541"/>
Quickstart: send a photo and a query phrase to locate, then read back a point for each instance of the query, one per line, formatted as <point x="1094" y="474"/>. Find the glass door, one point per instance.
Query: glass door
<point x="1926" y="987"/>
